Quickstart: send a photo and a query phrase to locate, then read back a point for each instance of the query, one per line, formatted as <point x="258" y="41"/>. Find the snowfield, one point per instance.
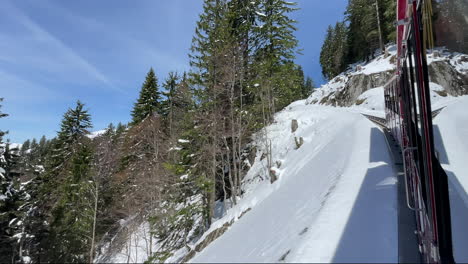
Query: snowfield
<point x="335" y="200"/>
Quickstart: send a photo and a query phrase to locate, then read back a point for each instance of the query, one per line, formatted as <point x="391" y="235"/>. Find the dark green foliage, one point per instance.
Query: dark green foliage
<point x="167" y="106"/>
<point x="66" y="190"/>
<point x="149" y="100"/>
<point x="72" y="215"/>
<point x="357" y="37"/>
<point x="308" y="87"/>
<point x="388" y="22"/>
<point x="9" y="196"/>
<point x="334" y="50"/>
<point x="74" y="126"/>
<point x="26" y="145"/>
<point x="276" y="48"/>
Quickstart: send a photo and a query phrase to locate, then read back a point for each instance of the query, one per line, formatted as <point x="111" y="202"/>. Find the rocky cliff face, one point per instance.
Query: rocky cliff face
<point x="449" y="70"/>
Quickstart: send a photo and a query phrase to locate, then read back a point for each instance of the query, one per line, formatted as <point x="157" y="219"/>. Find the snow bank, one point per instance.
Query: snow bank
<point x="450" y="134"/>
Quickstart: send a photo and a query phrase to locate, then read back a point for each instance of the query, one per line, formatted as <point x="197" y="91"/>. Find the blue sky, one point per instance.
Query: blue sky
<point x="55" y="52"/>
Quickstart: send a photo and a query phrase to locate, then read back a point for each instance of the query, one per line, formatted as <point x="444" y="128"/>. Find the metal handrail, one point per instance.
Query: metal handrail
<point x="406" y="179"/>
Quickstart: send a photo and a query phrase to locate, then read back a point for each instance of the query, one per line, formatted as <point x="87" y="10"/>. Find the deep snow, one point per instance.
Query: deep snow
<point x="335" y="199"/>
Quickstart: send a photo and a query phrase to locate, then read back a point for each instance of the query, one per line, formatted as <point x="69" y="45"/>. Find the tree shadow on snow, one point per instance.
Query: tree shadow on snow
<point x="371" y="233"/>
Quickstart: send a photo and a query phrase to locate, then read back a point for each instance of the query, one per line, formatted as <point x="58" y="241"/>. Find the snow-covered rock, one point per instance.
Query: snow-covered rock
<point x="95" y="134"/>
<point x="447" y="69"/>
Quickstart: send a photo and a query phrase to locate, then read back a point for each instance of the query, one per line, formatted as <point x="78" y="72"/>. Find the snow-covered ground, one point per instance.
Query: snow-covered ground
<point x="335" y="199"/>
<point x="450" y="136"/>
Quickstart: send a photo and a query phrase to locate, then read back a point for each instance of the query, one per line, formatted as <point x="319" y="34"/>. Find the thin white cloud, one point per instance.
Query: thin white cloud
<point x="138" y="48"/>
<point x="41" y="35"/>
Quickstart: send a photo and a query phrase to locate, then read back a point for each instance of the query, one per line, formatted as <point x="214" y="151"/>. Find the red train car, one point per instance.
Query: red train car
<point x="409" y="120"/>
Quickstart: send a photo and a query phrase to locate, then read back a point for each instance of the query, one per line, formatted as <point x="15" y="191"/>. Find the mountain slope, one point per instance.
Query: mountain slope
<point x="338" y="187"/>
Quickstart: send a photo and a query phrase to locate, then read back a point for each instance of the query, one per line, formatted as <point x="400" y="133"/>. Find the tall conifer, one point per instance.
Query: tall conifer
<point x="149" y="100"/>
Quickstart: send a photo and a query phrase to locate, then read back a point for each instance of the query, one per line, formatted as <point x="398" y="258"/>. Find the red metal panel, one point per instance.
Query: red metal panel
<point x="402" y="5"/>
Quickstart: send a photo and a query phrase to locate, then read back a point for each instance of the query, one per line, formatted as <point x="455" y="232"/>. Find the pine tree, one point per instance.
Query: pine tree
<point x="6" y="203"/>
<point x="75" y="125"/>
<point x="25" y="146"/>
<point x="167" y="108"/>
<point x="339" y="48"/>
<point x="326" y="53"/>
<point x="120" y="129"/>
<point x="110" y="131"/>
<point x="388" y="21"/>
<point x="43" y="147"/>
<point x="72" y="215"/>
<point x="308" y="87"/>
<point x="276" y="49"/>
<point x="63" y="188"/>
<point x="149" y="100"/>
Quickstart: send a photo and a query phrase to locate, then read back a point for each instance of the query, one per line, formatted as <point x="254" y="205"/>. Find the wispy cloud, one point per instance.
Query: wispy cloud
<point x="136" y="48"/>
<point x="62" y="51"/>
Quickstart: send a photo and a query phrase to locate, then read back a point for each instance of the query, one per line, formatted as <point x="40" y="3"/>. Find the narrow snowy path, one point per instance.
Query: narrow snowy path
<point x="335" y="200"/>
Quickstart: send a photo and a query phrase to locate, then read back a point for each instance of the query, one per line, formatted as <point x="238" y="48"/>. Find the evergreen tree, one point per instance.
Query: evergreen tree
<point x="110" y="131"/>
<point x="72" y="215"/>
<point x="167" y="108"/>
<point x="63" y="189"/>
<point x="388" y="21"/>
<point x="6" y="206"/>
<point x="120" y="129"/>
<point x="149" y="100"/>
<point x="25" y="146"/>
<point x="74" y="126"/>
<point x="276" y="49"/>
<point x="356" y="14"/>
<point x="339" y="47"/>
<point x="43" y="147"/>
<point x="308" y="87"/>
<point x="326" y="54"/>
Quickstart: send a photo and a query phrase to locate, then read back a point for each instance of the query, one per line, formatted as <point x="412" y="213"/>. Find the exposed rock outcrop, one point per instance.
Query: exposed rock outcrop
<point x="444" y="74"/>
<point x="447" y="69"/>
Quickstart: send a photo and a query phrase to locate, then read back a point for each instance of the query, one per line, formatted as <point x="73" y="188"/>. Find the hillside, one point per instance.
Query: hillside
<point x="337" y="186"/>
<point x="343" y="186"/>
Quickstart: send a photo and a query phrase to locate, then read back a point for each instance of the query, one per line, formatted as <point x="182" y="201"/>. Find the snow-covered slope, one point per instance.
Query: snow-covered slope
<point x="335" y="199"/>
